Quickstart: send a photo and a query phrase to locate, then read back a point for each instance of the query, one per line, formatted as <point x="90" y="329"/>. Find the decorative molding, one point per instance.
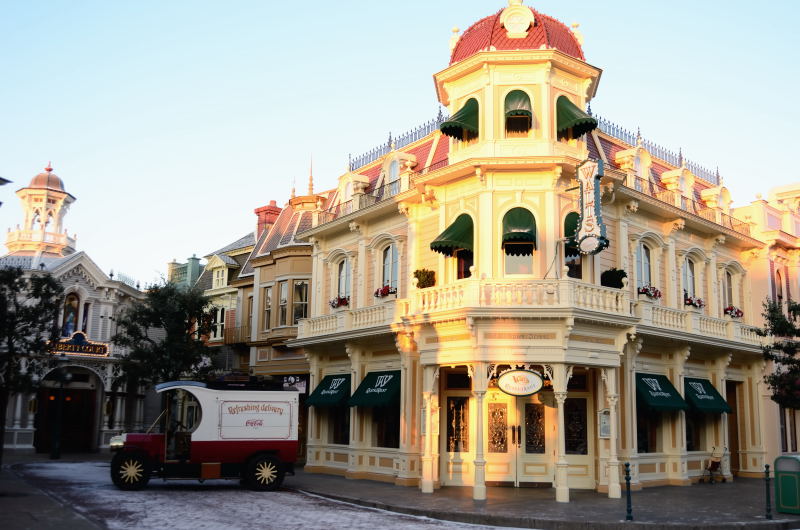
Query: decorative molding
<point x="631" y="207"/>
<point x="354" y="227"/>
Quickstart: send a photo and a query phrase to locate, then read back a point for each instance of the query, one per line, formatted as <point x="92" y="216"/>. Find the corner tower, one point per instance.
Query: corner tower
<point x="45" y="203"/>
<point x="517" y="85"/>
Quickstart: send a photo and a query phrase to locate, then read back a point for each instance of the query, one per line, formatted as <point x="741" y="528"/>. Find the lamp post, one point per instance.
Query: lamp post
<point x="62" y="377"/>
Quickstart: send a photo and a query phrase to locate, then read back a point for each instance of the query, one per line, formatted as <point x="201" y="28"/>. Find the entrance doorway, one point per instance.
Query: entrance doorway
<point x="732" y="397"/>
<point x="78" y="430"/>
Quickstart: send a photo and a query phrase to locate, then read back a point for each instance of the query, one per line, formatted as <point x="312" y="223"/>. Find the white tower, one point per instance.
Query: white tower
<point x="45" y="203"/>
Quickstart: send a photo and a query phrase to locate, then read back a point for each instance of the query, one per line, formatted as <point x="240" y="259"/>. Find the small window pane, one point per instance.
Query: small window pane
<point x="300" y="301"/>
<point x="283" y="303"/>
<point x="457" y="424"/>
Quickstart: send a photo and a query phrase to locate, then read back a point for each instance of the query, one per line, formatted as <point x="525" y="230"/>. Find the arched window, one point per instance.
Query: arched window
<point x="727" y="290"/>
<point x="390" y="266"/>
<point x="688" y="278"/>
<point x="463" y="125"/>
<point x="519" y="241"/>
<point x="344" y="279"/>
<point x="779" y="286"/>
<point x="69" y="321"/>
<point x="394" y="178"/>
<point x="518" y="114"/>
<point x="572" y="255"/>
<point x="644" y="275"/>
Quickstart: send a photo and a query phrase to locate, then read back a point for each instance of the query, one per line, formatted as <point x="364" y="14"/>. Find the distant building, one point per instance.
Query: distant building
<point x="94" y="408"/>
<point x="184" y="274"/>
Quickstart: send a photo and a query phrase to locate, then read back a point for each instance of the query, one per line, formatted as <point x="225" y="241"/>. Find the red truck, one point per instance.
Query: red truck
<point x="212" y="433"/>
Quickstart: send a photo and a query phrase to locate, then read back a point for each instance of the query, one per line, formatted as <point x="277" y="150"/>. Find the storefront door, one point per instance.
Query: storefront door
<point x="520" y="440"/>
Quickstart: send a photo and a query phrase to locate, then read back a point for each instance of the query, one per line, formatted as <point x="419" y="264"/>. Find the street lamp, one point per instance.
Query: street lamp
<point x="62" y="376"/>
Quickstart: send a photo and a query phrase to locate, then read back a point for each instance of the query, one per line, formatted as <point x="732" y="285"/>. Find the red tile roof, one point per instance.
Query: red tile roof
<point x="489" y="33"/>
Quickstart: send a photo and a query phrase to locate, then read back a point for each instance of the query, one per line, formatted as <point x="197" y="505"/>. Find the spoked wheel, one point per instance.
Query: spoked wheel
<point x="130" y="471"/>
<point x="264" y="473"/>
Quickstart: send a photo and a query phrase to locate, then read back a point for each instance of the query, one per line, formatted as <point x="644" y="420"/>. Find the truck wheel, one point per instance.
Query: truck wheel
<point x="130" y="471"/>
<point x="264" y="473"/>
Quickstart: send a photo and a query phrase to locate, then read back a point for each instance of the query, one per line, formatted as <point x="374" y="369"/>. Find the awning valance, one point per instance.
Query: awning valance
<point x="702" y="395"/>
<point x="378" y="389"/>
<point x="332" y="391"/>
<point x="456" y="236"/>
<point x="570" y="117"/>
<point x="465" y="119"/>
<point x="570" y="229"/>
<point x="518" y="104"/>
<point x="658" y="393"/>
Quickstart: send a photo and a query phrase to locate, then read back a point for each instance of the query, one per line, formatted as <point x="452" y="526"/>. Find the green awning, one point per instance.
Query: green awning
<point x="456" y="236"/>
<point x="570" y="229"/>
<point x="702" y="395"/>
<point x="519" y="226"/>
<point x="378" y="389"/>
<point x="518" y="104"/>
<point x="658" y="393"/>
<point x="464" y="119"/>
<point x="569" y="116"/>
<point x="332" y="391"/>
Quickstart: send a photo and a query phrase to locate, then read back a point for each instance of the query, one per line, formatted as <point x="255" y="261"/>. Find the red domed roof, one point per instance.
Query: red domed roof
<point x="47" y="180"/>
<point x="488" y="33"/>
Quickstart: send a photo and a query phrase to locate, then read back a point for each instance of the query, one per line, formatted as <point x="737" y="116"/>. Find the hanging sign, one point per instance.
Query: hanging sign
<point x="77" y="344"/>
<point x="591" y="234"/>
<point x="520" y="382"/>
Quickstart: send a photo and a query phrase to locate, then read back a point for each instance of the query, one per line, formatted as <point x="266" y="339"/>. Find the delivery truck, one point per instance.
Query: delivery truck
<point x="212" y="433"/>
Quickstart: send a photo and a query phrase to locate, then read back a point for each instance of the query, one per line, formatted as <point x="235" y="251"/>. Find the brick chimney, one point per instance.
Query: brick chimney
<point x="267" y="215"/>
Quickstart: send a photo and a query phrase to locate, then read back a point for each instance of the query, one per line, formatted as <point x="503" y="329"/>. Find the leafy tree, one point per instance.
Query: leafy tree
<point x="29" y="305"/>
<point x="164" y="336"/>
<point x="784" y="381"/>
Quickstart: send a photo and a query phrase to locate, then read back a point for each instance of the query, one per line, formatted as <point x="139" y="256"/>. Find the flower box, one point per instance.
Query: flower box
<point x="733" y="311"/>
<point x="339" y="301"/>
<point x="386" y="290"/>
<point x="649" y="291"/>
<point x="693" y="301"/>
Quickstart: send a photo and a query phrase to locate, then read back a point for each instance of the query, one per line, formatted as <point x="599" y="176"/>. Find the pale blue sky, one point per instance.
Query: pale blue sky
<point x="170" y="121"/>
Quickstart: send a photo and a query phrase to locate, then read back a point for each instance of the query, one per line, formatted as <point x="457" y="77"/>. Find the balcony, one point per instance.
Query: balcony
<point x="345" y="320"/>
<point x="528" y="294"/>
<point x="690" y="321"/>
<point x="237" y="335"/>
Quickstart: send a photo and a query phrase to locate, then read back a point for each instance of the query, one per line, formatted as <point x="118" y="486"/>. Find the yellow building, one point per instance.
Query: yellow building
<point x="484" y="252"/>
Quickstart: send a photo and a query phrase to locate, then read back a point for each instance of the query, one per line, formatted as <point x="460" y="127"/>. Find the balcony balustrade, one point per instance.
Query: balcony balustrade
<point x="692" y="321"/>
<point x="237" y="335"/>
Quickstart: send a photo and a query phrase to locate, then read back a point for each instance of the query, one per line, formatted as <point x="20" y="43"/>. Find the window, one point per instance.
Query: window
<point x="299" y="301"/>
<point x="394" y="178"/>
<point x="219" y="278"/>
<point x="519" y="241"/>
<point x="221" y="323"/>
<point x="249" y="309"/>
<point x="463" y="263"/>
<point x="339" y="425"/>
<point x="518" y="114"/>
<point x="643" y="266"/>
<point x="779" y="286"/>
<point x="386" y="426"/>
<point x="390" y="266"/>
<point x="576" y="434"/>
<point x="344" y="279"/>
<point x="688" y="278"/>
<point x="572" y="255"/>
<point x="727" y="290"/>
<point x="518" y="258"/>
<point x="267" y="307"/>
<point x="85" y="318"/>
<point x="647" y="423"/>
<point x="695" y="428"/>
<point x="69" y="321"/>
<point x="283" y="302"/>
<point x="457" y="424"/>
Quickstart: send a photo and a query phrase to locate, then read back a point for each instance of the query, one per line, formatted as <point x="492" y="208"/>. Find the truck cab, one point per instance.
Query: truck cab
<point x="212" y="433"/>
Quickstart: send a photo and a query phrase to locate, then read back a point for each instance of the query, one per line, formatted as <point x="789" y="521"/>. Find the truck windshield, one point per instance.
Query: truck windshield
<point x="181" y="413"/>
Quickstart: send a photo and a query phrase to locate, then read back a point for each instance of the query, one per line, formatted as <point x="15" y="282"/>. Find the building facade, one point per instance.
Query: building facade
<point x="484" y="246"/>
<point x="94" y="408"/>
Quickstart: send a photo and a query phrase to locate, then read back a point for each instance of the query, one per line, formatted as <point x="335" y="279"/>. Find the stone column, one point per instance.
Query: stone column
<point x="479" y="384"/>
<point x="428" y="380"/>
<point x="31" y="413"/>
<point x="610" y="379"/>
<point x="560" y="378"/>
<point x="17" y="423"/>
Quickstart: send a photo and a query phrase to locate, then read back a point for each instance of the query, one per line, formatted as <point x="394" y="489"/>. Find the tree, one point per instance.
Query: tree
<point x="784" y="381"/>
<point x="163" y="335"/>
<point x="29" y="305"/>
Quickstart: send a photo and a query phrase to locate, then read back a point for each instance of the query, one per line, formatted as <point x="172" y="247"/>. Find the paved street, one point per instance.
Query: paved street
<point x="86" y="487"/>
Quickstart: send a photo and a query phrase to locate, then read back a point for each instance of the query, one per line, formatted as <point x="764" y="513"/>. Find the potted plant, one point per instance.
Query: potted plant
<point x="733" y="311"/>
<point x="425" y="278"/>
<point x="649" y="291"/>
<point x="339" y="301"/>
<point x="693" y="301"/>
<point x="386" y="290"/>
<point x="613" y="278"/>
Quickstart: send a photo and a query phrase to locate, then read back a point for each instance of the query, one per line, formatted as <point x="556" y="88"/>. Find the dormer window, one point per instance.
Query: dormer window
<point x="394" y="178"/>
<point x="518" y="114"/>
<point x="463" y="125"/>
<point x="219" y="278"/>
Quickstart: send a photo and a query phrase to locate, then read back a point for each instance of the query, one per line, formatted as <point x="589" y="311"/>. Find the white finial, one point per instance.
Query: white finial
<point x="311" y="176"/>
<point x="454" y="38"/>
<point x="578" y="34"/>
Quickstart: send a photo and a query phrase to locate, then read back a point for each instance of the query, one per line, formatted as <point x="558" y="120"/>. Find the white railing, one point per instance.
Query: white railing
<point x="381" y="314"/>
<point x="522" y="293"/>
<point x="715" y="327"/>
<point x="665" y="317"/>
<point x="691" y="321"/>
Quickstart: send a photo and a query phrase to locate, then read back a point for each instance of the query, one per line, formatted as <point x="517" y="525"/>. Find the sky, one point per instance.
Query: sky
<point x="171" y="121"/>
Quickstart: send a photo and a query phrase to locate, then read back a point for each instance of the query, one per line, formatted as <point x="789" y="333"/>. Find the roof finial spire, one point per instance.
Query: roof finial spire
<point x="49" y="167"/>
<point x="680" y="157"/>
<point x="638" y="137"/>
<point x="293" y="193"/>
<point x="311" y="175"/>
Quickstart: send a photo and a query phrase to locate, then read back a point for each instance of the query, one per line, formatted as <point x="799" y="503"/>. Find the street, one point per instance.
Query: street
<point x="216" y="504"/>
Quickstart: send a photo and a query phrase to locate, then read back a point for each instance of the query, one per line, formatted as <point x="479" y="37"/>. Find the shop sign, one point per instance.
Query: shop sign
<point x="520" y="382"/>
<point x="78" y="345"/>
<point x="255" y="419"/>
<point x="297" y="383"/>
<point x="591" y="233"/>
